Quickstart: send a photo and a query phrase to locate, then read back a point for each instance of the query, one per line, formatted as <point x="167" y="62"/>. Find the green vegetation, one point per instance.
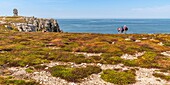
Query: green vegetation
<point x="74" y="74"/>
<point x="6" y="81"/>
<point x="162" y="76"/>
<point x="118" y="77"/>
<point x="21" y="49"/>
<point x="148" y="60"/>
<point x="29" y="70"/>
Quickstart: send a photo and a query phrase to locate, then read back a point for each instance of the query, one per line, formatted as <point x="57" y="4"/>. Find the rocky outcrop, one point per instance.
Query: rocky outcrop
<point x="32" y="24"/>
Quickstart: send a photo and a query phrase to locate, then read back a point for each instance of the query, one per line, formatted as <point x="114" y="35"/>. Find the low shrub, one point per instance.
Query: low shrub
<point x="145" y="47"/>
<point x="162" y="76"/>
<point x="6" y="81"/>
<point x="69" y="57"/>
<point x="111" y="58"/>
<point x="117" y="77"/>
<point x="29" y="70"/>
<point x="167" y="44"/>
<point x="148" y="60"/>
<point x="130" y="63"/>
<point x="73" y="74"/>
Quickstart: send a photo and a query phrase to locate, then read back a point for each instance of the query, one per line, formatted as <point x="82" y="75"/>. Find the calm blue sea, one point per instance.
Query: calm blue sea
<point x="110" y="26"/>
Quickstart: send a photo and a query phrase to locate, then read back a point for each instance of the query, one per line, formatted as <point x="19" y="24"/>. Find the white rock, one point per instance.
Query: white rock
<point x="167" y="53"/>
<point x="46" y="68"/>
<point x="138" y="41"/>
<point x="161" y="44"/>
<point x="128" y="57"/>
<point x="132" y="57"/>
<point x="127" y="39"/>
<point x="99" y="64"/>
<point x="144" y="38"/>
<point x="88" y="54"/>
<point x="113" y="42"/>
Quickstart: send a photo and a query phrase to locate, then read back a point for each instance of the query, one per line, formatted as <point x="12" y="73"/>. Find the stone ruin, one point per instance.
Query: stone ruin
<point x="15" y="12"/>
<point x="38" y="24"/>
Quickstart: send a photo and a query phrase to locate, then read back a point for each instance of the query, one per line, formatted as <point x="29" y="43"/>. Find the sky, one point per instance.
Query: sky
<point x="87" y="8"/>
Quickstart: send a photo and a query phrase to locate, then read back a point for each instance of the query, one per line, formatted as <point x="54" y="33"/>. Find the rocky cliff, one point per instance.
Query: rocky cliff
<point x="29" y="24"/>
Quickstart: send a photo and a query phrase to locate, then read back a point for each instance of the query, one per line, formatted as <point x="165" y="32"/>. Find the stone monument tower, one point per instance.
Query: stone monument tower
<point x="15" y="12"/>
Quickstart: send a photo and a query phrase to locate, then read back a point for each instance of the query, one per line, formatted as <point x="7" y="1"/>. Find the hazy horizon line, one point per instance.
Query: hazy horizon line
<point x="111" y="18"/>
<point x="84" y="18"/>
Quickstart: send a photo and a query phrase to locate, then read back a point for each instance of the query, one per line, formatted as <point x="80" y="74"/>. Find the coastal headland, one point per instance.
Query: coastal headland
<point x="28" y="24"/>
<point x="32" y="54"/>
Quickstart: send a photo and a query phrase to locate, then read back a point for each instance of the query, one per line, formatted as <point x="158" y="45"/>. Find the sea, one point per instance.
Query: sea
<point x="109" y="26"/>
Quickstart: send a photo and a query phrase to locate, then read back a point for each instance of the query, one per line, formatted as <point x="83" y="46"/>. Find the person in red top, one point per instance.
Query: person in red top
<point x="119" y="30"/>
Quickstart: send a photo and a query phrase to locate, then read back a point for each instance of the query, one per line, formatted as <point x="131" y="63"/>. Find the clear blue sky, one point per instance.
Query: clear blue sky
<point x="88" y="8"/>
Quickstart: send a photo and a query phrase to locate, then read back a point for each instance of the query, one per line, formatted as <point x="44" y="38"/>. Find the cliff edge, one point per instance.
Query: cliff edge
<point x="28" y="24"/>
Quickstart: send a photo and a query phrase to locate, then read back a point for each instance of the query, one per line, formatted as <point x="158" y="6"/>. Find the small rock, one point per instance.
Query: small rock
<point x="99" y="64"/>
<point x="46" y="68"/>
<point x="138" y="41"/>
<point x="128" y="57"/>
<point x="144" y="38"/>
<point x="113" y="42"/>
<point x="127" y="39"/>
<point x="124" y="69"/>
<point x="161" y="44"/>
<point x="167" y="53"/>
<point x="26" y="66"/>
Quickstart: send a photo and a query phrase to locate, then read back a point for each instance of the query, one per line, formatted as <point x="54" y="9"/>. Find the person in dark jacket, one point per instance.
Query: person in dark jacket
<point x="125" y="29"/>
<point x="122" y="29"/>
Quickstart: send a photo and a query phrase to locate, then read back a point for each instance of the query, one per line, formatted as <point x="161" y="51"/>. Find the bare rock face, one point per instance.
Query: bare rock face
<point x="38" y="24"/>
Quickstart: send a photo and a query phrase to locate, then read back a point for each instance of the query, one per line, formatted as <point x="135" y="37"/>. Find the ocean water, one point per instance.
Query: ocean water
<point x="109" y="26"/>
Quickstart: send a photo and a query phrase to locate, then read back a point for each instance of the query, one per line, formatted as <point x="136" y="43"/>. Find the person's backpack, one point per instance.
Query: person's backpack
<point x="126" y="28"/>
